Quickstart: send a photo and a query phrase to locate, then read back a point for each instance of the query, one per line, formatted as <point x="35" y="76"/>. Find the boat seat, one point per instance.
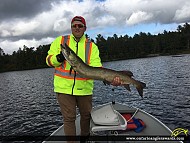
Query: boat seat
<point x="106" y="118"/>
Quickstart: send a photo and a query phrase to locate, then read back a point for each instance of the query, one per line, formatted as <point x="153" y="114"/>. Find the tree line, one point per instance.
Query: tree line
<point x="112" y="48"/>
<point x="145" y="44"/>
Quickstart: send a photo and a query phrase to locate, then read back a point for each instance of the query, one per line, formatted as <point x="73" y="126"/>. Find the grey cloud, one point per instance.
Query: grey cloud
<point x="39" y="19"/>
<point x="22" y="8"/>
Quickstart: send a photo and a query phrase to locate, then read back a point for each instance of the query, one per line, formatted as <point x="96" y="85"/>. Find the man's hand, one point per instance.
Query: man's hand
<point x="116" y="81"/>
<point x="60" y="57"/>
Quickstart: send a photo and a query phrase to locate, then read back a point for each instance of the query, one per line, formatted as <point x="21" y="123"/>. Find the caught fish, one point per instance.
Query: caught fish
<point x="99" y="73"/>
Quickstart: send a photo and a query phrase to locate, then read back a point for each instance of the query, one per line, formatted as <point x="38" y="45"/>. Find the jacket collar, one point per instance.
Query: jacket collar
<point x="81" y="39"/>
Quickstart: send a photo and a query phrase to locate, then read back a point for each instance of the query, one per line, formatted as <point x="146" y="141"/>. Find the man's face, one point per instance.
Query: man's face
<point x="78" y="29"/>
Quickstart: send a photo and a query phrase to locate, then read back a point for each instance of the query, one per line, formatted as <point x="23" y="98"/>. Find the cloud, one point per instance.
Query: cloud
<point x="34" y="20"/>
<point x="15" y="45"/>
<point x="22" y="8"/>
<point x="106" y="20"/>
<point x="139" y="17"/>
<point x="183" y="14"/>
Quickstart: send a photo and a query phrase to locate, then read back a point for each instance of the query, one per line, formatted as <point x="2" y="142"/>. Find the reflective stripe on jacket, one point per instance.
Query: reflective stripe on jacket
<point x="63" y="80"/>
<point x="64" y="69"/>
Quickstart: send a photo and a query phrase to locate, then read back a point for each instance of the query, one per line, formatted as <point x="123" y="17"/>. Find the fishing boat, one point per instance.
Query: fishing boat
<point x="116" y="122"/>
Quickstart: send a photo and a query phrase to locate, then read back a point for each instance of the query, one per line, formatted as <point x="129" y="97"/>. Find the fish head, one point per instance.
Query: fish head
<point x="69" y="54"/>
<point x="65" y="51"/>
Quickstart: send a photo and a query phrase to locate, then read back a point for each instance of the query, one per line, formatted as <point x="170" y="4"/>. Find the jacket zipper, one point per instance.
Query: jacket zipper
<point x="74" y="70"/>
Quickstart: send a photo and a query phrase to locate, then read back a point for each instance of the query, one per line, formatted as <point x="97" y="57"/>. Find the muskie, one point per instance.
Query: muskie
<point x="99" y="73"/>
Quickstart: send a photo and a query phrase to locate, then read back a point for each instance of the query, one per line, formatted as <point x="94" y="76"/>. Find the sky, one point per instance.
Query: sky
<point x="39" y="22"/>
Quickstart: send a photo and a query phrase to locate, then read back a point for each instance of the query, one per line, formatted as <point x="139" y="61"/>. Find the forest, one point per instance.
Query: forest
<point x="141" y="45"/>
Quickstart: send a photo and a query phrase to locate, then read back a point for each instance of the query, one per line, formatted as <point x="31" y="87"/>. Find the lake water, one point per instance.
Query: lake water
<point x="28" y="104"/>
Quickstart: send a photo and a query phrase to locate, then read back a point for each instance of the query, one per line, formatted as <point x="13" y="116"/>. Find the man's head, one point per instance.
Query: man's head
<point x="78" y="26"/>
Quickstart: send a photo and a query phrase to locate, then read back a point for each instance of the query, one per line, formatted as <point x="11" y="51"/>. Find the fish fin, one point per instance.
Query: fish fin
<point x="140" y="87"/>
<point x="127" y="87"/>
<point x="128" y="73"/>
<point x="140" y="91"/>
<point x="143" y="84"/>
<point x="106" y="82"/>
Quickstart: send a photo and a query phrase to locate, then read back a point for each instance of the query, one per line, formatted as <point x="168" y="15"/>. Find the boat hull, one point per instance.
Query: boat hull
<point x="154" y="127"/>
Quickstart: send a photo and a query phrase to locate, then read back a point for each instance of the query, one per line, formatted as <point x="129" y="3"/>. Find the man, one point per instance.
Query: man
<point x="73" y="90"/>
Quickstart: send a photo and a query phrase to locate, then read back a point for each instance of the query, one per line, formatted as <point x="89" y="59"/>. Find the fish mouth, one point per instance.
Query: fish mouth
<point x="65" y="51"/>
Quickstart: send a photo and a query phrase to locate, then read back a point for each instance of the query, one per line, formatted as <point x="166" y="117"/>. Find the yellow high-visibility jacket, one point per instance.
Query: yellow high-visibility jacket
<point x="63" y="80"/>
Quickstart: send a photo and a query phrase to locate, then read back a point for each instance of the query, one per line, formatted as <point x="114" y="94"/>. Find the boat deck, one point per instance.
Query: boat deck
<point x="154" y="127"/>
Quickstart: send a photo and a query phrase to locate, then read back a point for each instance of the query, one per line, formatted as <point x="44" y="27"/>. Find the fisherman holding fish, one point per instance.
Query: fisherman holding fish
<point x="72" y="89"/>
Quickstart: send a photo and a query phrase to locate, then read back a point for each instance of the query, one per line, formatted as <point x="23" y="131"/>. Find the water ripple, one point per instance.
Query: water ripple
<point x="29" y="107"/>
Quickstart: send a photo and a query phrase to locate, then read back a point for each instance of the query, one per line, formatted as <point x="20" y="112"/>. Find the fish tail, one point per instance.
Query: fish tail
<point x="127" y="87"/>
<point x="140" y="87"/>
